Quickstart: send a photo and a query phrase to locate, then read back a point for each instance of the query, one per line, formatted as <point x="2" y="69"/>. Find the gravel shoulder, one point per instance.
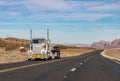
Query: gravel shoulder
<point x="112" y="54"/>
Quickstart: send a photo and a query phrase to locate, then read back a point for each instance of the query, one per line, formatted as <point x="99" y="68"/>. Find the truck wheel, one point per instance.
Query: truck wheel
<point x="50" y="58"/>
<point x="29" y="59"/>
<point x="45" y="59"/>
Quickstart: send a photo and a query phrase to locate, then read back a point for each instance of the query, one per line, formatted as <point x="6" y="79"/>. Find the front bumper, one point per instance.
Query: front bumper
<point x="37" y="56"/>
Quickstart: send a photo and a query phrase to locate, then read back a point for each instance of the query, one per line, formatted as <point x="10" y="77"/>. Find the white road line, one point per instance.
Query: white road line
<point x="81" y="63"/>
<point x="85" y="61"/>
<point x="78" y="66"/>
<point x="65" y="76"/>
<point x="116" y="61"/>
<point x="73" y="69"/>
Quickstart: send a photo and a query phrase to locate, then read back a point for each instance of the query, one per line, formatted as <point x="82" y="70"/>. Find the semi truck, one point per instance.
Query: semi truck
<point x="41" y="48"/>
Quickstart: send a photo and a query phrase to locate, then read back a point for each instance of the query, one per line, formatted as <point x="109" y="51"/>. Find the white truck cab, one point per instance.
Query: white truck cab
<point x="40" y="48"/>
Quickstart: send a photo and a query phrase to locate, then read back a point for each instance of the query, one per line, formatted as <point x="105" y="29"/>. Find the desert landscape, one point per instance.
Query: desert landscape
<point x="111" y="48"/>
<point x="75" y="52"/>
<point x="10" y="50"/>
<point x="112" y="54"/>
<point x="17" y="56"/>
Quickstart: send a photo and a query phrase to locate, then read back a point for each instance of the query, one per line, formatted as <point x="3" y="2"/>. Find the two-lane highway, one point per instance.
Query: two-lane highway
<point x="88" y="67"/>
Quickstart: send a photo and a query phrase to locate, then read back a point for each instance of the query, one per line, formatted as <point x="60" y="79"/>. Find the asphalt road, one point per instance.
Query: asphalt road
<point x="89" y="67"/>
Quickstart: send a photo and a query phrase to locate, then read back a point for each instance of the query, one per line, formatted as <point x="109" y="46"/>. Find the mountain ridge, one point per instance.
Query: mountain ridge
<point x="107" y="44"/>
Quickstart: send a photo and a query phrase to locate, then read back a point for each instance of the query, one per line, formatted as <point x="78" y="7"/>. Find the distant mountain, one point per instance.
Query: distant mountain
<point x="106" y="44"/>
<point x="115" y="43"/>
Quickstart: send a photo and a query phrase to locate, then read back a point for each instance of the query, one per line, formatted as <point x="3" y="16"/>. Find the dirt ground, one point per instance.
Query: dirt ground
<point x="12" y="56"/>
<point x="74" y="52"/>
<point x="17" y="56"/>
<point x="112" y="54"/>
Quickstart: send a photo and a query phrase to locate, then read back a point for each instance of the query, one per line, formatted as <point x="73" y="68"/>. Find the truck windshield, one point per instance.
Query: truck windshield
<point x="36" y="41"/>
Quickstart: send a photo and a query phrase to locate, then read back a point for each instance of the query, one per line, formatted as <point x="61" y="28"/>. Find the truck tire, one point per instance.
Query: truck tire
<point x="29" y="59"/>
<point x="45" y="59"/>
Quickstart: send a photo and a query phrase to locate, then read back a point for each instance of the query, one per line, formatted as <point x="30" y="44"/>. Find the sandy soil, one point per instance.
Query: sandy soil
<point x="12" y="56"/>
<point x="112" y="54"/>
<point x="17" y="56"/>
<point x="74" y="52"/>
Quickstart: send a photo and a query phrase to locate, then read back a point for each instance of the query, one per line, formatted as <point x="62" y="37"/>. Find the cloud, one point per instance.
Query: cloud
<point x="46" y="5"/>
<point x="10" y="2"/>
<point x="70" y="10"/>
<point x="8" y="14"/>
<point x="60" y="5"/>
<point x="108" y="7"/>
<point x="2" y="2"/>
<point x="60" y="10"/>
<point x="69" y="17"/>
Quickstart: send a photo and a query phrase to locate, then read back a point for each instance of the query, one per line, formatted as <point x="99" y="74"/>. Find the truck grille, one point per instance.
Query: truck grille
<point x="36" y="50"/>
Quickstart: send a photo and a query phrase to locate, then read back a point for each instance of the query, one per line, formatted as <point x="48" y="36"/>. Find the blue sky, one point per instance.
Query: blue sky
<point x="69" y="21"/>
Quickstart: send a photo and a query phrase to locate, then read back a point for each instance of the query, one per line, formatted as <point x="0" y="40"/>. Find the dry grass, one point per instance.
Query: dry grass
<point x="112" y="54"/>
<point x="16" y="55"/>
<point x="12" y="56"/>
<point x="74" y="52"/>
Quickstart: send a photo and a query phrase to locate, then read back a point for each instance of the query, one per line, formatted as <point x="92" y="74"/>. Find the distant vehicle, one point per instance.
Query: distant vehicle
<point x="40" y="48"/>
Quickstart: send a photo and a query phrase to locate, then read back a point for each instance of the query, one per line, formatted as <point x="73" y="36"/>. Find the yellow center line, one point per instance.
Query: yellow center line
<point x="30" y="65"/>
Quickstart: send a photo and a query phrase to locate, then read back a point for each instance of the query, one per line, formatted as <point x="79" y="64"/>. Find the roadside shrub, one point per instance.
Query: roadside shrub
<point x="23" y="50"/>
